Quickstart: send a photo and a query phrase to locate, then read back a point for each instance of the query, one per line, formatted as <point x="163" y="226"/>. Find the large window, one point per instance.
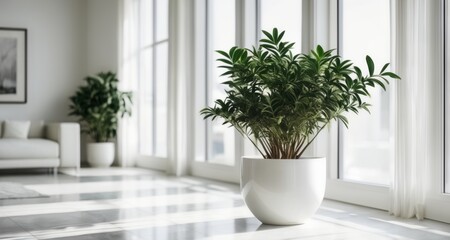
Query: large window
<point x="359" y="158"/>
<point x="221" y="25"/>
<point x="366" y="149"/>
<point x="153" y="44"/>
<point x="266" y="16"/>
<point x="215" y="143"/>
<point x="290" y="21"/>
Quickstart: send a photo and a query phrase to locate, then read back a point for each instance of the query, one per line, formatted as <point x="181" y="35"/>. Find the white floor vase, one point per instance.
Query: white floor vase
<point x="100" y="154"/>
<point x="283" y="192"/>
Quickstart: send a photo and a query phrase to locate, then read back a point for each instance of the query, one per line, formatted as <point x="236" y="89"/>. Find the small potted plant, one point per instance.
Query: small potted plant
<point x="281" y="102"/>
<point x="99" y="104"/>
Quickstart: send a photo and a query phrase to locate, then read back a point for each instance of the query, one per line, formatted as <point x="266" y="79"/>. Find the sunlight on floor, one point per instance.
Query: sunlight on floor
<point x="103" y="186"/>
<point x="142" y="205"/>
<point x="112" y="171"/>
<point x="148" y="222"/>
<point x="126" y="203"/>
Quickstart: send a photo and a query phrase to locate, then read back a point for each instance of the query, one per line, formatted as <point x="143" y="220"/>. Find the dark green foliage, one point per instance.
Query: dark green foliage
<point x="281" y="101"/>
<point x="99" y="105"/>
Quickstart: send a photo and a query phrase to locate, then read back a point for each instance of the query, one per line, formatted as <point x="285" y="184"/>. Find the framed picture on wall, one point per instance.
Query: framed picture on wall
<point x="13" y="65"/>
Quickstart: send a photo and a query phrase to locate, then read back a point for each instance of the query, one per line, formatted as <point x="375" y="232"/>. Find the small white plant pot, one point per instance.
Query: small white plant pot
<point x="100" y="154"/>
<point x="283" y="192"/>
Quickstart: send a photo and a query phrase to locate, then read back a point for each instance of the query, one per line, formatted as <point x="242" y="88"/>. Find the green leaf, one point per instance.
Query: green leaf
<point x="231" y="52"/>
<point x="280" y="37"/>
<point x="343" y="119"/>
<point x="381" y="84"/>
<point x="280" y="99"/>
<point x="320" y="51"/>
<point x="225" y="54"/>
<point x="275" y="35"/>
<point x="225" y="61"/>
<point x="280" y="119"/>
<point x="384" y="67"/>
<point x="370" y="65"/>
<point x="391" y="74"/>
<point x="358" y="72"/>
<point x="268" y="35"/>
<point x="98" y="104"/>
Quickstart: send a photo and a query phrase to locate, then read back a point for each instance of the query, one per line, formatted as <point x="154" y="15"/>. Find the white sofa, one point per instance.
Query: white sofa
<point x="49" y="145"/>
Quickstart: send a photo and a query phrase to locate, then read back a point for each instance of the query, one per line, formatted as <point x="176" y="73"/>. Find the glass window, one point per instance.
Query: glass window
<point x="367" y="147"/>
<point x="290" y="20"/>
<point x="162" y="20"/>
<point x="215" y="142"/>
<point x="153" y="76"/>
<point x="161" y="94"/>
<point x="221" y="35"/>
<point x="145" y="103"/>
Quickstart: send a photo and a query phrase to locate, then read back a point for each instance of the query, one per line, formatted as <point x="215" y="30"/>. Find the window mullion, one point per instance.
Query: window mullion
<point x="138" y="61"/>
<point x="153" y="80"/>
<point x="208" y="124"/>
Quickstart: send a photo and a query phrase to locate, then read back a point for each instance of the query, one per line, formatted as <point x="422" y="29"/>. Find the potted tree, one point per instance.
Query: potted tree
<point x="281" y="102"/>
<point x="99" y="104"/>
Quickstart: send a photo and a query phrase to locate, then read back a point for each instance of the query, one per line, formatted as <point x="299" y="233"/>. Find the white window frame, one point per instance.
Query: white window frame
<point x="152" y="161"/>
<point x="322" y="29"/>
<point x="247" y="34"/>
<point x="370" y="195"/>
<point x="446" y="87"/>
<point x="208" y="169"/>
<point x="378" y="196"/>
<point x="436" y="199"/>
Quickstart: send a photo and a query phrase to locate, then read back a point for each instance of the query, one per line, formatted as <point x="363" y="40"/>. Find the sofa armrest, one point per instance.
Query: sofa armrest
<point x="68" y="137"/>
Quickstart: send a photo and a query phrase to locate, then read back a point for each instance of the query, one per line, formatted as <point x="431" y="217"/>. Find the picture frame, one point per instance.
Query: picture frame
<point x="13" y="65"/>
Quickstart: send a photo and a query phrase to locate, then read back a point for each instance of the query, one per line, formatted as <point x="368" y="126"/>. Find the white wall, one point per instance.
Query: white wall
<point x="102" y="42"/>
<point x="67" y="40"/>
<point x="56" y="54"/>
<point x="102" y="35"/>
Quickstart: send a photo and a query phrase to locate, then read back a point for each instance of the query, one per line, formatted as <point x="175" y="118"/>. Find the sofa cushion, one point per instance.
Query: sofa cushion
<point x="36" y="129"/>
<point x="34" y="148"/>
<point x="16" y="129"/>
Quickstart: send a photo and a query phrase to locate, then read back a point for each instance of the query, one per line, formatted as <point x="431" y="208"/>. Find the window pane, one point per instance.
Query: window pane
<point x="153" y="77"/>
<point x="160" y="110"/>
<point x="200" y="81"/>
<point x="145" y="103"/>
<point x="367" y="146"/>
<point x="290" y="20"/>
<point x="162" y="16"/>
<point x="220" y="35"/>
<point x="145" y="22"/>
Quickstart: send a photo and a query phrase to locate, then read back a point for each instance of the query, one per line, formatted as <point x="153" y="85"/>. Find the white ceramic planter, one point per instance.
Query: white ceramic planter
<point x="283" y="192"/>
<point x="100" y="154"/>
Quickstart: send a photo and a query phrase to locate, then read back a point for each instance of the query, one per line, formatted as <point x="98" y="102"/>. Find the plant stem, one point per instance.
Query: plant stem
<point x="317" y="133"/>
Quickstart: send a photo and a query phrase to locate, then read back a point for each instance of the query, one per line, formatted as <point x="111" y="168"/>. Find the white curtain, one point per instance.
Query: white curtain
<point x="181" y="65"/>
<point x="414" y="30"/>
<point x="180" y="74"/>
<point x="127" y="134"/>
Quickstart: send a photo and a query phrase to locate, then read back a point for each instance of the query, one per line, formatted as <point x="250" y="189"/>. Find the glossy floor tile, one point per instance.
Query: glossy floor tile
<point x="141" y="204"/>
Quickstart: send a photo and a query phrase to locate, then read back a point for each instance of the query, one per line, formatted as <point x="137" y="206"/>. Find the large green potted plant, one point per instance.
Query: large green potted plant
<point x="281" y="101"/>
<point x="99" y="104"/>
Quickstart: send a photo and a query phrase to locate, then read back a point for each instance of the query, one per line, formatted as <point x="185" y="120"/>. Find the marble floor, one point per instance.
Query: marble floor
<point x="143" y="204"/>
